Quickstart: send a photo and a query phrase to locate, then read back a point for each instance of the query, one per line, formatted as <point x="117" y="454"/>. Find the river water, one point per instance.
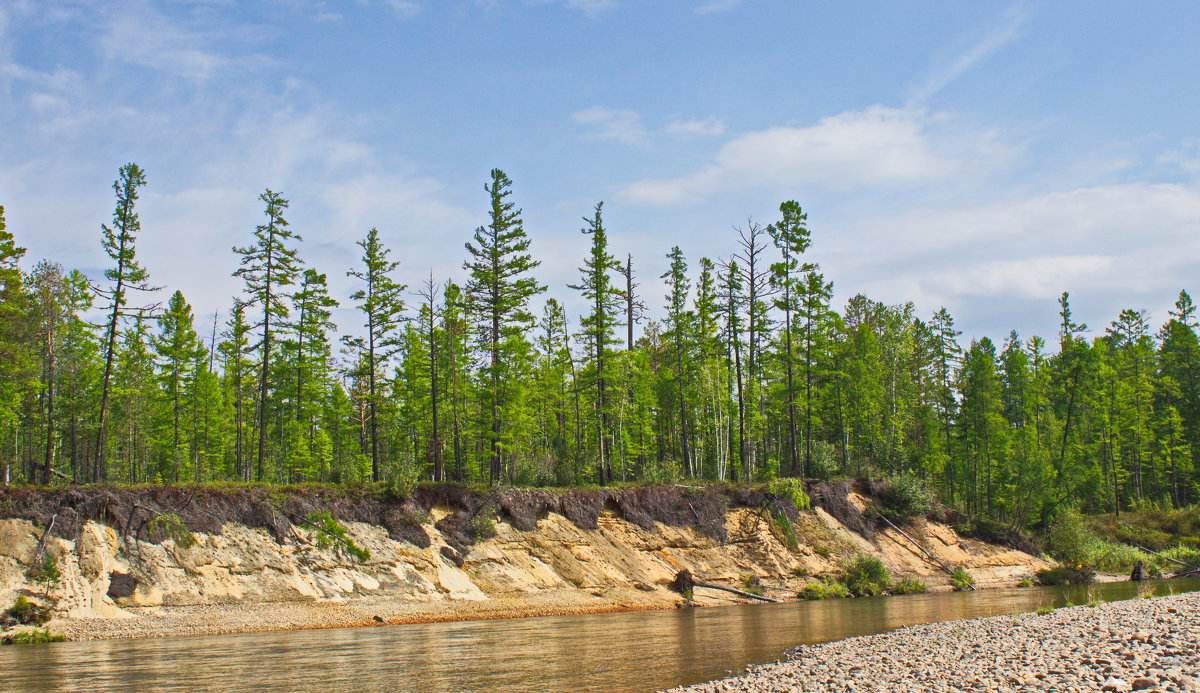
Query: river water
<point x="640" y="651"/>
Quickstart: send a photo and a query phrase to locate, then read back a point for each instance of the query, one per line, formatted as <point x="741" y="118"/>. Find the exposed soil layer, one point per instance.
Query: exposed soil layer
<point x="253" y="558"/>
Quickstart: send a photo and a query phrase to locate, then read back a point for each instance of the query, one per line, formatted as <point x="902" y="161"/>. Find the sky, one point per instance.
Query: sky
<point x="984" y="157"/>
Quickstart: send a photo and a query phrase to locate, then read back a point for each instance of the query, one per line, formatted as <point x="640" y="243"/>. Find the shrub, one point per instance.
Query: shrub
<point x="825" y="463"/>
<point x="29" y="613"/>
<point x="1065" y="575"/>
<point x="821" y="550"/>
<point x="332" y="534"/>
<point x="751" y="584"/>
<point x="1044" y="610"/>
<point x="173" y="528"/>
<point x="904" y="497"/>
<point x="961" y="580"/>
<point x="1068" y="540"/>
<point x="787" y="532"/>
<point x="866" y="576"/>
<point x="48" y="573"/>
<point x="1025" y="582"/>
<point x="791" y="489"/>
<point x="826" y="589"/>
<point x="33" y="637"/>
<point x="909" y="585"/>
<point x="482" y="524"/>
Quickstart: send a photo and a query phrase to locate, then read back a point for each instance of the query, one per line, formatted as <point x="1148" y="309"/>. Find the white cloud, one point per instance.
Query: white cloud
<point x="612" y="124"/>
<point x="1114" y="246"/>
<point x="711" y="6"/>
<point x="405" y="9"/>
<point x="879" y="146"/>
<point x="706" y="126"/>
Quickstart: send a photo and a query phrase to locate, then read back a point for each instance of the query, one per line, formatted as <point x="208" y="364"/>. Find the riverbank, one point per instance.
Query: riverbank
<point x="162" y="561"/>
<point x="1138" y="644"/>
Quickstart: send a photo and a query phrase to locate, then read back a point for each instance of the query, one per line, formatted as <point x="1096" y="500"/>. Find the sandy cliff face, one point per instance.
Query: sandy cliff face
<point x="245" y="579"/>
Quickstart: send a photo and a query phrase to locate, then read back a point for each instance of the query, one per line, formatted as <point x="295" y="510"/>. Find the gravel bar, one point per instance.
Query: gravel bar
<point x="1139" y="644"/>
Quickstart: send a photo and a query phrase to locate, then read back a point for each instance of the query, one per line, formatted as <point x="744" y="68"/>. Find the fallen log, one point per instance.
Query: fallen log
<point x="684" y="582"/>
<point x="949" y="571"/>
<point x="1155" y="553"/>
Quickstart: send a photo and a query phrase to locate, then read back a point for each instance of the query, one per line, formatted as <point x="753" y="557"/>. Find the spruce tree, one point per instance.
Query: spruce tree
<point x="791" y="237"/>
<point x="177" y="348"/>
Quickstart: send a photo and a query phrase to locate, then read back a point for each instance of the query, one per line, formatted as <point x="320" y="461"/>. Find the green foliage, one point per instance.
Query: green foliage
<point x="1025" y="582"/>
<point x="1065" y="575"/>
<point x="825" y="589"/>
<point x="904" y="497"/>
<point x="866" y="576"/>
<point x="909" y="585"/>
<point x="1044" y="610"/>
<point x="750" y="583"/>
<point x="791" y="489"/>
<point x="785" y="530"/>
<point x="173" y="528"/>
<point x="482" y="524"/>
<point x="29" y="613"/>
<point x="332" y="534"/>
<point x="961" y="580"/>
<point x="36" y="636"/>
<point x="48" y="572"/>
<point x="822" y="550"/>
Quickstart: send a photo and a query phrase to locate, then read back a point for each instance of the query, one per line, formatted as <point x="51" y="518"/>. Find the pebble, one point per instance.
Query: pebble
<point x="1135" y="645"/>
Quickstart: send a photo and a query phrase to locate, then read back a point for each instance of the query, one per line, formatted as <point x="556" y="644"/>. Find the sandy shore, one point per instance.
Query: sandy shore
<point x="215" y="619"/>
<point x="1140" y="644"/>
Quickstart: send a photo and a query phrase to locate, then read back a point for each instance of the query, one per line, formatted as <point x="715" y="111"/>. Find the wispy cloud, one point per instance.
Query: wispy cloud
<point x="612" y="124"/>
<point x="712" y="6"/>
<point x="1005" y="32"/>
<point x="405" y="9"/>
<point x="591" y="8"/>
<point x="705" y="126"/>
<point x="878" y="146"/>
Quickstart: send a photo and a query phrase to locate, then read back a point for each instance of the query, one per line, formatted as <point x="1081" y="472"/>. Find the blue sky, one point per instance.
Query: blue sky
<point x="980" y="156"/>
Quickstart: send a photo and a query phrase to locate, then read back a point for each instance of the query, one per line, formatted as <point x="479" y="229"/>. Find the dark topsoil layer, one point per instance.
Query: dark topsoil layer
<point x="131" y="510"/>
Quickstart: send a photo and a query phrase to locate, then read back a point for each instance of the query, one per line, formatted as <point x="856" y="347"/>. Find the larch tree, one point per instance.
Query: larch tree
<point x="598" y="327"/>
<point x="792" y="238"/>
<point x="119" y="243"/>
<point x="382" y="304"/>
<point x="177" y="347"/>
<point x="498" y="291"/>
<point x="268" y="266"/>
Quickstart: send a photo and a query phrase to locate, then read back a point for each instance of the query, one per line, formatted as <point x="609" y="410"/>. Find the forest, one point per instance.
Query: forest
<point x="748" y="374"/>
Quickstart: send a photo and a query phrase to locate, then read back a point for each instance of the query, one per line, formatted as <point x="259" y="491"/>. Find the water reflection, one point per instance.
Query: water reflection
<point x="642" y="651"/>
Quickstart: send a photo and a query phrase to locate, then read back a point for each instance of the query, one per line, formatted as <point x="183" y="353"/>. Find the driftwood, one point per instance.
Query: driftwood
<point x="949" y="571"/>
<point x="684" y="581"/>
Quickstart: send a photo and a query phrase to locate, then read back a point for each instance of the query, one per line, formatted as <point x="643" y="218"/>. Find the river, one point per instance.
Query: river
<point x="639" y="651"/>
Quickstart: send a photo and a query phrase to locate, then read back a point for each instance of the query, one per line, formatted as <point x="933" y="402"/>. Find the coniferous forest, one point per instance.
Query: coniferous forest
<point x="749" y="374"/>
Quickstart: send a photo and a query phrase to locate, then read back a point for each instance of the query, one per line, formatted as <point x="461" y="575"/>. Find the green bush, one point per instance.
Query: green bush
<point x="825" y="462"/>
<point x="1065" y="575"/>
<point x="48" y="573"/>
<point x="1025" y="582"/>
<point x="173" y="528"/>
<point x="33" y="637"/>
<point x="904" y="497"/>
<point x="826" y="589"/>
<point x="332" y="534"/>
<point x="961" y="581"/>
<point x="482" y="524"/>
<point x="866" y="576"/>
<point x="791" y="489"/>
<point x="787" y="532"/>
<point x="29" y="613"/>
<point x="909" y="585"/>
<point x="822" y="550"/>
<point x="751" y="584"/>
